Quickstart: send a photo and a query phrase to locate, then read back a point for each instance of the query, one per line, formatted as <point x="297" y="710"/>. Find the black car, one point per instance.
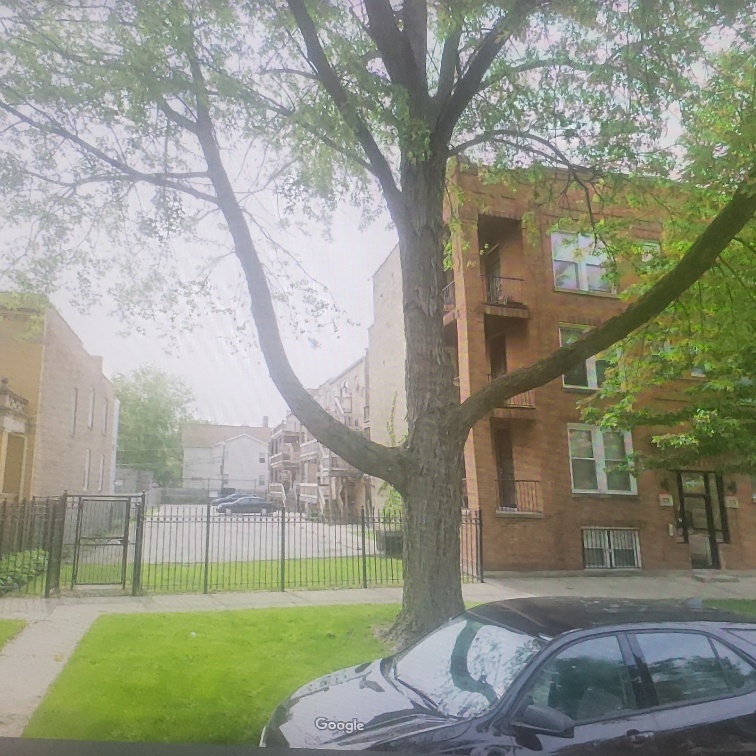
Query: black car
<point x="544" y="675"/>
<point x="230" y="497"/>
<point x="247" y="505"/>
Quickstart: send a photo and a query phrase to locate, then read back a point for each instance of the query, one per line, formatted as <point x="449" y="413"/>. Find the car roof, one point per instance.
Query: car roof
<point x="552" y="616"/>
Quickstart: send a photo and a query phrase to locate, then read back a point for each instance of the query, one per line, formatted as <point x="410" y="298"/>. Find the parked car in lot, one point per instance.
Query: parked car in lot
<point x="247" y="505"/>
<point x="544" y="675"/>
<point x="231" y="497"/>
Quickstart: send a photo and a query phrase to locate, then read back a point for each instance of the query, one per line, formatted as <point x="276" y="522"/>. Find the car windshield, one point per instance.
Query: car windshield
<point x="465" y="666"/>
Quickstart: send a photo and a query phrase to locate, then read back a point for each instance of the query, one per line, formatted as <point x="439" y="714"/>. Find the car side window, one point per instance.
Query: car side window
<point x="683" y="667"/>
<point x="586" y="681"/>
<point x="740" y="674"/>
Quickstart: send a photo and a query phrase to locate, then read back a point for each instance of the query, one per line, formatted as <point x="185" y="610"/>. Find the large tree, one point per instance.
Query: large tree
<point x="332" y="100"/>
<point x="153" y="408"/>
<point x="687" y="377"/>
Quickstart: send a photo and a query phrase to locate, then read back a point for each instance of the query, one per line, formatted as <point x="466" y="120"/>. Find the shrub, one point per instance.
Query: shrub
<point x="20" y="567"/>
<point x="391" y="513"/>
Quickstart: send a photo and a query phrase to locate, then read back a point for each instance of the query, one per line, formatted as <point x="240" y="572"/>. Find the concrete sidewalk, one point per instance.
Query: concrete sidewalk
<point x="30" y="662"/>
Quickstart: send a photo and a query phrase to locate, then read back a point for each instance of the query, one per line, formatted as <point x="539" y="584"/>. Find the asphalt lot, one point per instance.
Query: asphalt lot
<point x="179" y="534"/>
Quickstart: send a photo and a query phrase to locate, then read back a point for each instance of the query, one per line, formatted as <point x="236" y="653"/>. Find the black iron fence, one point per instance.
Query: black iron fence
<point x="31" y="534"/>
<point x="80" y="540"/>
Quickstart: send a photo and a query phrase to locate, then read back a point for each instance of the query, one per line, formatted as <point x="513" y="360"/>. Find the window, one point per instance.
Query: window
<point x="87" y="459"/>
<point x="588" y="374"/>
<point x="90" y="419"/>
<point x="579" y="264"/>
<point x="261" y="480"/>
<point x="102" y="472"/>
<point x="74" y="409"/>
<point x="740" y="674"/>
<point x="683" y="667"/>
<point x="261" y="458"/>
<point x="605" y="548"/>
<point x="104" y="417"/>
<point x="595" y="456"/>
<point x="586" y="681"/>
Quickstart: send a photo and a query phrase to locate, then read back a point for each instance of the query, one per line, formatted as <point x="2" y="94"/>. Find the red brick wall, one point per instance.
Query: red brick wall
<point x="553" y="540"/>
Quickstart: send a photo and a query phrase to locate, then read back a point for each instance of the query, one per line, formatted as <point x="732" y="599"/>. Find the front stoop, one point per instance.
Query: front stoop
<point x="712" y="576"/>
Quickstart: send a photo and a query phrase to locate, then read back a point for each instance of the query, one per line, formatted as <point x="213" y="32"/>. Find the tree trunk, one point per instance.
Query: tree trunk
<point x="432" y="496"/>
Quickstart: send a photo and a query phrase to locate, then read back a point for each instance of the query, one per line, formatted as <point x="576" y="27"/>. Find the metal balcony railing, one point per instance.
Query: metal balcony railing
<point x="503" y="291"/>
<point x="519" y="495"/>
<point x="449" y="297"/>
<point x="526" y="399"/>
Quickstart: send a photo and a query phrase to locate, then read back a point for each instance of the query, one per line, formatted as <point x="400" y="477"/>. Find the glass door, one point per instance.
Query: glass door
<point x="702" y="516"/>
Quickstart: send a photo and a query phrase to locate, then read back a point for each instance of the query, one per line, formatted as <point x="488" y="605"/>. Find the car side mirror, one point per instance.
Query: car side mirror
<point x="543" y="720"/>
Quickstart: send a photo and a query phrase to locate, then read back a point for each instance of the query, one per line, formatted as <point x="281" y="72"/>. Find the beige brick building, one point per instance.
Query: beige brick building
<point x="58" y="411"/>
<point x="543" y="480"/>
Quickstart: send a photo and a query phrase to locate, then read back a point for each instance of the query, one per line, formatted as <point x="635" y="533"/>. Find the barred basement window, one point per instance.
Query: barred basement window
<point x="617" y="548"/>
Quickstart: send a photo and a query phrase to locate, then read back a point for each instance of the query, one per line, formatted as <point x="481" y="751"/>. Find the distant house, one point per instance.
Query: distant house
<point x="218" y="457"/>
<point x="58" y="411"/>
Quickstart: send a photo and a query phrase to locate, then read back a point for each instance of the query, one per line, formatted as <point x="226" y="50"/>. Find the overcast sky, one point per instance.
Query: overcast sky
<point x="231" y="384"/>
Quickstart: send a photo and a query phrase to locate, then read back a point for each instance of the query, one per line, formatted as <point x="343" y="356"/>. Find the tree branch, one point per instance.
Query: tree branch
<point x="395" y="49"/>
<point x="370" y="457"/>
<point x="330" y="81"/>
<point x="158" y="179"/>
<point x="448" y="67"/>
<point x="467" y="86"/>
<point x="697" y="260"/>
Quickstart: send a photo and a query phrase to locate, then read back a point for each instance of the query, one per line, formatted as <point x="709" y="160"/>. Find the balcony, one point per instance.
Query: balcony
<point x="449" y="298"/>
<point x="13" y="417"/>
<point x="517" y="406"/>
<point x="519" y="496"/>
<point x="504" y="297"/>
<point x="287" y="457"/>
<point x="308" y="492"/>
<point x="309" y="450"/>
<point x="333" y="465"/>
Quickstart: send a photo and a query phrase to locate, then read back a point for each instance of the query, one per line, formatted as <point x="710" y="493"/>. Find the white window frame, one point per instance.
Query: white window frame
<point x="90" y="418"/>
<point x="590" y="363"/>
<point x="583" y="252"/>
<point x="87" y="463"/>
<point x="102" y="473"/>
<point x="74" y="410"/>
<point x="599" y="457"/>
<point x="105" y="408"/>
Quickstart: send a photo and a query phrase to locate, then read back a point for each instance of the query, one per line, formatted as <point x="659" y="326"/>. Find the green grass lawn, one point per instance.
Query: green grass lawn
<point x="9" y="628"/>
<point x="335" y="572"/>
<point x="741" y="606"/>
<point x="210" y="677"/>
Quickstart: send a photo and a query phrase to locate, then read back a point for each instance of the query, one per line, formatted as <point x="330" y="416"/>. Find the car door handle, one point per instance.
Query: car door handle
<point x="638" y="738"/>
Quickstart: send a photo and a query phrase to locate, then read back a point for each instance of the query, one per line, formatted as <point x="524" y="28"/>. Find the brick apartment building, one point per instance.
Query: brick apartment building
<point x="541" y="478"/>
<point x="308" y="475"/>
<point x="58" y="411"/>
<point x="328" y="484"/>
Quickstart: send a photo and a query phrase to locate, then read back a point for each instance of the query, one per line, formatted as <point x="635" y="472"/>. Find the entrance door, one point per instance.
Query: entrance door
<point x="702" y="517"/>
<point x="505" y="469"/>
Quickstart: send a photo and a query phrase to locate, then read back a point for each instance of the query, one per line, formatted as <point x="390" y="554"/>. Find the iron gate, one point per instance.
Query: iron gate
<point x="103" y="535"/>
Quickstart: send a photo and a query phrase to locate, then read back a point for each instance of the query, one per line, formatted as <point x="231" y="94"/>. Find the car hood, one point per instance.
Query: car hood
<point x="357" y="695"/>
